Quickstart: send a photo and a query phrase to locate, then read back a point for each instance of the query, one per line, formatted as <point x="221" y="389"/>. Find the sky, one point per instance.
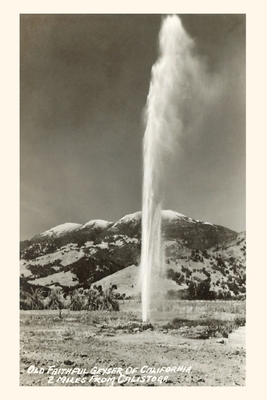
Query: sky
<point x="84" y="81"/>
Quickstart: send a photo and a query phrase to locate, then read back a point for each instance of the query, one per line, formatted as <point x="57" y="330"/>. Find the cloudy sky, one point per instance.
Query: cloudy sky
<point x="84" y="85"/>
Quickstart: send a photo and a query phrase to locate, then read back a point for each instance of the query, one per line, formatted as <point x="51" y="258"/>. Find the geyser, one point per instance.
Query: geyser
<point x="168" y="90"/>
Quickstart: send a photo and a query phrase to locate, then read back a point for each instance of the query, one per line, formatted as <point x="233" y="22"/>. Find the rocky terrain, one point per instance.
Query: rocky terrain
<point x="101" y="348"/>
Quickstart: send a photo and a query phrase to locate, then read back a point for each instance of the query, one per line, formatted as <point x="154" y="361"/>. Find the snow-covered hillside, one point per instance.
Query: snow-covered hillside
<point x="134" y="217"/>
<point x="73" y="255"/>
<point x="62" y="229"/>
<point x="96" y="223"/>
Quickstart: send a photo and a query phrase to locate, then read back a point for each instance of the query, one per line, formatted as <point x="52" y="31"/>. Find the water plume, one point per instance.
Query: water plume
<point x="171" y="75"/>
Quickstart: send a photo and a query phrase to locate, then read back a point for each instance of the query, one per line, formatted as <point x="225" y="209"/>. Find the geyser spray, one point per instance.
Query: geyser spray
<point x="168" y="88"/>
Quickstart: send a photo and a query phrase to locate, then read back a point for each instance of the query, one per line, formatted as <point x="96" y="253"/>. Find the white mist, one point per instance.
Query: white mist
<point x="168" y="90"/>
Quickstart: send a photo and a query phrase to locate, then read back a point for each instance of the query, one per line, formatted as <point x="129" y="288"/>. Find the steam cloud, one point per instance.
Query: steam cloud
<point x="178" y="81"/>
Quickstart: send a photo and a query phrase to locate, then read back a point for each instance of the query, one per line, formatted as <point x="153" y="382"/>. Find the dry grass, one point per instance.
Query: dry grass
<point x="194" y="311"/>
<point x="190" y="309"/>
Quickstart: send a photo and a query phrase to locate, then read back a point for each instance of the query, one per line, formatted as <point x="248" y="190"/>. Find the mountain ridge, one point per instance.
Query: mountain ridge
<point x="72" y="255"/>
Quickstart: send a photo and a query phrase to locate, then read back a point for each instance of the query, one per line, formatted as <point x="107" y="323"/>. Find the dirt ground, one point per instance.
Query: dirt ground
<point x="84" y="349"/>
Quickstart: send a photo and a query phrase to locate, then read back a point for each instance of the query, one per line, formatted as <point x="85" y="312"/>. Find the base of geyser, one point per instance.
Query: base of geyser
<point x="156" y="308"/>
<point x="157" y="298"/>
<point x="135" y="326"/>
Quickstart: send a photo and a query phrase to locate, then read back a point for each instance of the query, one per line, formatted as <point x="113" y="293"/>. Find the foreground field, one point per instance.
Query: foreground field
<point x="101" y="348"/>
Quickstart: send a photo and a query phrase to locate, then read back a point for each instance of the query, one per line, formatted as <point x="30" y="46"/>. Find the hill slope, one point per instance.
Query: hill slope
<point x="74" y="255"/>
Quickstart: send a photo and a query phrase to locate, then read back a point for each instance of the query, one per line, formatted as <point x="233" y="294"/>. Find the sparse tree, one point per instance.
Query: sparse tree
<point x="56" y="300"/>
<point x="33" y="300"/>
<point x="108" y="300"/>
<point x="76" y="301"/>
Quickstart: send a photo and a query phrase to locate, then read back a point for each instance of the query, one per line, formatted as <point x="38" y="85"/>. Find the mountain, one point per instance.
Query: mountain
<point x="61" y="230"/>
<point x="72" y="255"/>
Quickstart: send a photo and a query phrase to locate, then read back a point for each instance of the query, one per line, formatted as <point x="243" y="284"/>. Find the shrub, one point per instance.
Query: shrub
<point x="177" y="277"/>
<point x="108" y="301"/>
<point x="33" y="300"/>
<point x="55" y="300"/>
<point x="200" y="290"/>
<point x="94" y="299"/>
<point x="205" y="328"/>
<point x="76" y="302"/>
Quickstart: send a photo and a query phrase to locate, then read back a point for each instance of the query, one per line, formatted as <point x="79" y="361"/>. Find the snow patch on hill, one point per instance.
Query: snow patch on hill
<point x="24" y="271"/>
<point x="61" y="229"/>
<point x="171" y="215"/>
<point x="96" y="223"/>
<point x="174" y="215"/>
<point x="68" y="227"/>
<point x="102" y="245"/>
<point x="129" y="218"/>
<point x="119" y="242"/>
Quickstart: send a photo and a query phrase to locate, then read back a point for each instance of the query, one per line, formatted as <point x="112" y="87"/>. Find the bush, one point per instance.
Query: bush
<point x="200" y="290"/>
<point x="177" y="277"/>
<point x="205" y="328"/>
<point x="32" y="300"/>
<point x="76" y="302"/>
<point x="94" y="299"/>
<point x="55" y="300"/>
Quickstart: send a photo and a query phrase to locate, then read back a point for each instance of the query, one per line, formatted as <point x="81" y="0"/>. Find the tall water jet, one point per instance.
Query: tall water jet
<point x="163" y="123"/>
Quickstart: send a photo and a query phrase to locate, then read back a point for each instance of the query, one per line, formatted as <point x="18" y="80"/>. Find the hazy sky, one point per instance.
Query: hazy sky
<point x="84" y="85"/>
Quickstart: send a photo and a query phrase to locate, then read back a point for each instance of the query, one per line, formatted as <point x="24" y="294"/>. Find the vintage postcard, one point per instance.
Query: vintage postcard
<point x="132" y="160"/>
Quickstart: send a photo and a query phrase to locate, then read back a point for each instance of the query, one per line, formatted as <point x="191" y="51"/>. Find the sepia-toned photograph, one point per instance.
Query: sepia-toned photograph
<point x="132" y="200"/>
